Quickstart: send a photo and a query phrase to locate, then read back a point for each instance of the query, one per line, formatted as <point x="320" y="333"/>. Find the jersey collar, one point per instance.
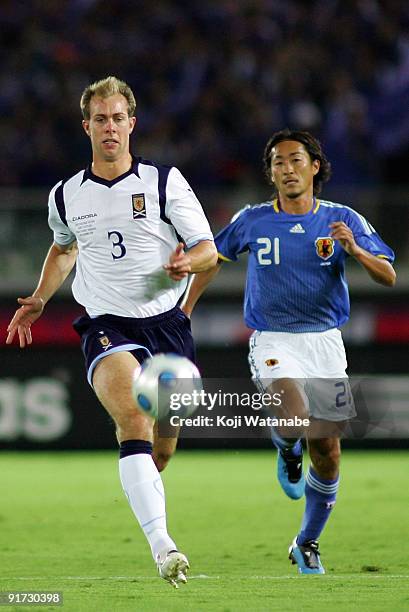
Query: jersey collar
<point x="90" y="176"/>
<point x="315" y="206"/>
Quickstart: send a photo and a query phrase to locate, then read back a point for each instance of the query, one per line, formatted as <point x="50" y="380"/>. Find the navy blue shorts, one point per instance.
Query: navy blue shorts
<point x="168" y="332"/>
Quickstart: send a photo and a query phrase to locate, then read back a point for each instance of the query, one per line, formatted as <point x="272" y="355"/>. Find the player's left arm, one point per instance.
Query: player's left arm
<point x="188" y="218"/>
<point x="198" y="258"/>
<point x="378" y="268"/>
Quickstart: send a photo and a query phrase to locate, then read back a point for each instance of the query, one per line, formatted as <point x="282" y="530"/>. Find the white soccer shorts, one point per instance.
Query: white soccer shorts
<point x="316" y="360"/>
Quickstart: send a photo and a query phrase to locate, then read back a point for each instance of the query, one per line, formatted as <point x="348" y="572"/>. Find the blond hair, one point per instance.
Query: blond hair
<point x="105" y="88"/>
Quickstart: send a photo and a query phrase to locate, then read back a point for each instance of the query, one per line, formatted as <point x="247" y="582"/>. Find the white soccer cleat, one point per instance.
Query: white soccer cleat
<point x="174" y="568"/>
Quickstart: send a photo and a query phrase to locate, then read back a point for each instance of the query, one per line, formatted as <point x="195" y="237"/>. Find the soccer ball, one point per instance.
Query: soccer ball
<point x="159" y="385"/>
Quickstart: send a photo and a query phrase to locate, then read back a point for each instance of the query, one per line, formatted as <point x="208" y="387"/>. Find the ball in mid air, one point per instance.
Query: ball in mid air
<point x="161" y="382"/>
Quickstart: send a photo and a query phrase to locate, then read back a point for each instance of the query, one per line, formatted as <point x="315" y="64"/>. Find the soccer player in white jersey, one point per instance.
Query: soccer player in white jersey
<point x="296" y="298"/>
<point x="125" y="222"/>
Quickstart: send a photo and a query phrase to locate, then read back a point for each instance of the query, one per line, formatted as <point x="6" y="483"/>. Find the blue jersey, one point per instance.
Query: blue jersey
<point x="296" y="271"/>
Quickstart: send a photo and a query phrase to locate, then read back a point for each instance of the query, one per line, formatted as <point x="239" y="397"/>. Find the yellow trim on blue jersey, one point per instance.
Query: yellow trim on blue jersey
<point x="223" y="257"/>
<point x="382" y="257"/>
<point x="316" y="207"/>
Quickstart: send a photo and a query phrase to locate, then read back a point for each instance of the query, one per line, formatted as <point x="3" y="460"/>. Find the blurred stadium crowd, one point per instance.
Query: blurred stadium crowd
<point x="213" y="79"/>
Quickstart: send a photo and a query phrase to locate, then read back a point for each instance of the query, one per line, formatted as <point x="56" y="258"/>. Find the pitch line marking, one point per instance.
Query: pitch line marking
<point x="366" y="575"/>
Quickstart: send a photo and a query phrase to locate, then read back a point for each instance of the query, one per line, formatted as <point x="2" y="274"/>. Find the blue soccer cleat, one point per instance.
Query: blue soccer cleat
<point x="306" y="556"/>
<point x="290" y="474"/>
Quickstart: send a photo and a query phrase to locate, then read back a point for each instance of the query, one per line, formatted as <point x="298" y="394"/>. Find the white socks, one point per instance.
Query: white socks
<point x="143" y="487"/>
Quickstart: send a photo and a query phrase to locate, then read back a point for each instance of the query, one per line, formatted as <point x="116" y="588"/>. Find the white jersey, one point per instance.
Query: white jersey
<point x="126" y="230"/>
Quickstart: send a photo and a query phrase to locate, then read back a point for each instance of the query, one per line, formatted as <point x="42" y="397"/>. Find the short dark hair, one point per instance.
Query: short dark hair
<point x="313" y="148"/>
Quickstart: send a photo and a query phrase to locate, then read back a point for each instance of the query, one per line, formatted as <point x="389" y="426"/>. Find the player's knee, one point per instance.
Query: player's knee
<point x="161" y="459"/>
<point x="129" y="426"/>
<point x="325" y="460"/>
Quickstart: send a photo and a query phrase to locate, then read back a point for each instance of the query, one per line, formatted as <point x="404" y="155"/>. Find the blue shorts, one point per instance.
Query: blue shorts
<point x="168" y="332"/>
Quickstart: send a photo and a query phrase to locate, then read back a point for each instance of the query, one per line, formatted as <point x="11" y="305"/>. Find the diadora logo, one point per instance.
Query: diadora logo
<point x="297" y="229"/>
<point x="90" y="216"/>
<point x="324" y="247"/>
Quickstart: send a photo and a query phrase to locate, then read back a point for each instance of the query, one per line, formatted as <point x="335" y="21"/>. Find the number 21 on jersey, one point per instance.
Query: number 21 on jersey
<point x="268" y="248"/>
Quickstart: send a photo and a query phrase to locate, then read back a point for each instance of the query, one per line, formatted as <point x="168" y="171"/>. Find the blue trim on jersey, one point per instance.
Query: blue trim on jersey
<point x="85" y="176"/>
<point x="59" y="202"/>
<point x="89" y="175"/>
<point x="163" y="175"/>
<point x="146" y="162"/>
<point x="115" y="349"/>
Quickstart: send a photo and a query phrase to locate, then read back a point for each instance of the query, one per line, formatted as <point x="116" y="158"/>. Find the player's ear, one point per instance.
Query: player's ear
<point x="132" y="123"/>
<point x="85" y="125"/>
<point x="316" y="166"/>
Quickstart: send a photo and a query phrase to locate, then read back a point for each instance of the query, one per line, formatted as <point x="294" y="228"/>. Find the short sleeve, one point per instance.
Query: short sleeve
<point x="232" y="240"/>
<point x="184" y="210"/>
<point x="367" y="237"/>
<point x="62" y="233"/>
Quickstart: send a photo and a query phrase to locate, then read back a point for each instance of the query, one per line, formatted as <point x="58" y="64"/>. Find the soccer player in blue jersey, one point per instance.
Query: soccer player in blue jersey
<point x="296" y="299"/>
<point x="121" y="221"/>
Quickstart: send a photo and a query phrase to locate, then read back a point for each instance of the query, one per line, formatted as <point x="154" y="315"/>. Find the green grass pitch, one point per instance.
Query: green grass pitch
<point x="66" y="526"/>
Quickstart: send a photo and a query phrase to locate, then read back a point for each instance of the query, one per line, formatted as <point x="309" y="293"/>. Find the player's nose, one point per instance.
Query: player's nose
<point x="110" y="125"/>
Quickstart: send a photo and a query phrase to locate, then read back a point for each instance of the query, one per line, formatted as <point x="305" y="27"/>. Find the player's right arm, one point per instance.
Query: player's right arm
<point x="58" y="263"/>
<point x="230" y="241"/>
<point x="198" y="285"/>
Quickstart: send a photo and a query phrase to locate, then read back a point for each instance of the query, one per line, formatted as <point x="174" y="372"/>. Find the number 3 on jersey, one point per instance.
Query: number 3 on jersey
<point x="266" y="249"/>
<point x="118" y="247"/>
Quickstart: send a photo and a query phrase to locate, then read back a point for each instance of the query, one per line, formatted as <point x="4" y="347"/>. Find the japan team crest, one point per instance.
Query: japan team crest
<point x="324" y="247"/>
<point x="138" y="205"/>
